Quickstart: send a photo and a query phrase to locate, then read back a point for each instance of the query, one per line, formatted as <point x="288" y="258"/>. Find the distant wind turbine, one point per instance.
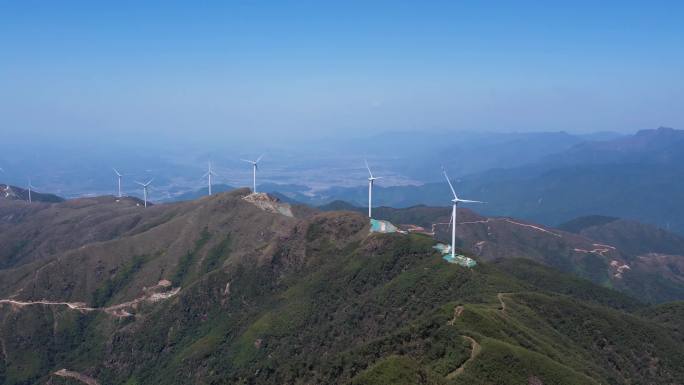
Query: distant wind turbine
<point x="455" y="203"/>
<point x="118" y="177"/>
<point x="371" y="179"/>
<point x="209" y="174"/>
<point x="255" y="166"/>
<point x="145" y="186"/>
<point x="30" y="186"/>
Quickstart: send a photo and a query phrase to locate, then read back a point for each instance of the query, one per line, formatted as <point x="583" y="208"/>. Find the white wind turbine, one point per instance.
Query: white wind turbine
<point x="255" y="166"/>
<point x="209" y="174"/>
<point x="455" y="203"/>
<point x="371" y="179"/>
<point x="30" y="186"/>
<point x="145" y="186"/>
<point x="118" y="177"/>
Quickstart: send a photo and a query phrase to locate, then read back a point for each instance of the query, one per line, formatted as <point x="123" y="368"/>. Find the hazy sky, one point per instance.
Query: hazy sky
<point x="174" y="69"/>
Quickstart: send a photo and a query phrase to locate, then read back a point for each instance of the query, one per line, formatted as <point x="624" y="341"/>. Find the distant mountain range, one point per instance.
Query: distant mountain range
<point x="305" y="166"/>
<point x="638" y="177"/>
<point x="241" y="288"/>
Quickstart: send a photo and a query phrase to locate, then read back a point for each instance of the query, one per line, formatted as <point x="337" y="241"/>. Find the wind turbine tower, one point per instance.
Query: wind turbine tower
<point x="145" y="186"/>
<point x="118" y="177"/>
<point x="209" y="174"/>
<point x="371" y="179"/>
<point x="30" y="186"/>
<point x="455" y="203"/>
<point x="255" y="166"/>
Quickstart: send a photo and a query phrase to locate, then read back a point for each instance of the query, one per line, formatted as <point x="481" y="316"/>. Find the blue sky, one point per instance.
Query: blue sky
<point x="338" y="68"/>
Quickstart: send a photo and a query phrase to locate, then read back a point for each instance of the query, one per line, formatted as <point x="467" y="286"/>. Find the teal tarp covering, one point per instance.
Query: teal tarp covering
<point x="378" y="226"/>
<point x="457" y="259"/>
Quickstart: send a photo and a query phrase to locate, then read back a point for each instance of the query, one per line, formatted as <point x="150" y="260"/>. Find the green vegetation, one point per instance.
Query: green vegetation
<point x="154" y="223"/>
<point x="578" y="224"/>
<point x="217" y="255"/>
<point x="388" y="317"/>
<point x="396" y="370"/>
<point x="123" y="277"/>
<point x="14" y="253"/>
<point x="547" y="279"/>
<point x="323" y="302"/>
<point x="502" y="363"/>
<point x="186" y="262"/>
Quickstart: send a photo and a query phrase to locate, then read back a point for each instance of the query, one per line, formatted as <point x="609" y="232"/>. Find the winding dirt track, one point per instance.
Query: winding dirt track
<point x="500" y="296"/>
<point x="475" y="349"/>
<point x="458" y="310"/>
<point x="70" y="305"/>
<point x="537" y="228"/>
<point x="77" y="376"/>
<point x="118" y="310"/>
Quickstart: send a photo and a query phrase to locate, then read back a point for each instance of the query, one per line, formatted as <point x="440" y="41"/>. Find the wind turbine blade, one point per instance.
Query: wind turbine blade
<point x="248" y="161"/>
<point x="150" y="181"/>
<point x="368" y="168"/>
<point x="116" y="171"/>
<point x="450" y="185"/>
<point x="142" y="184"/>
<point x="469" y="201"/>
<point x="206" y="174"/>
<point x="259" y="158"/>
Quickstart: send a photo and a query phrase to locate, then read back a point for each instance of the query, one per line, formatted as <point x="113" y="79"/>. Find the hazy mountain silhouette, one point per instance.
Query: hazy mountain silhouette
<point x="638" y="177"/>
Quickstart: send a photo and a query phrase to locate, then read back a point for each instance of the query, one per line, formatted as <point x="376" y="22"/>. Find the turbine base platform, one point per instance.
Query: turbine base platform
<point x="458" y="259"/>
<point x="380" y="226"/>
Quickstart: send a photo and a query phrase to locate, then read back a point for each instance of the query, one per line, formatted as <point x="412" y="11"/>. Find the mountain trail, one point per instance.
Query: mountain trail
<point x="458" y="310"/>
<point x="475" y="349"/>
<point x="500" y="296"/>
<point x="77" y="376"/>
<point x="70" y="305"/>
<point x="538" y="228"/>
<point x="474" y="345"/>
<point x="118" y="310"/>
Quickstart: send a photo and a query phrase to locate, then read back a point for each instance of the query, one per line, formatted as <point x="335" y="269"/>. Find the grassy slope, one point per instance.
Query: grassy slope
<point x="378" y="312"/>
<point x="334" y="306"/>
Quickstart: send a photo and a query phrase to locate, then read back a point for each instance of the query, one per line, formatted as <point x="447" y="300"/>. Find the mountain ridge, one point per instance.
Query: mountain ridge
<point x="224" y="290"/>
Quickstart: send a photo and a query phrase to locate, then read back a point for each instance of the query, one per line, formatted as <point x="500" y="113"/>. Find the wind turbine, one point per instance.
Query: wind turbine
<point x="455" y="203"/>
<point x="118" y="177"/>
<point x="145" y="187"/>
<point x="255" y="166"/>
<point x="30" y="186"/>
<point x="371" y="179"/>
<point x="209" y="174"/>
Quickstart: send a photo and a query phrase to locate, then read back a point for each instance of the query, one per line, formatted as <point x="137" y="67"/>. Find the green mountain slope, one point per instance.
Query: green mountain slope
<point x="225" y="292"/>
